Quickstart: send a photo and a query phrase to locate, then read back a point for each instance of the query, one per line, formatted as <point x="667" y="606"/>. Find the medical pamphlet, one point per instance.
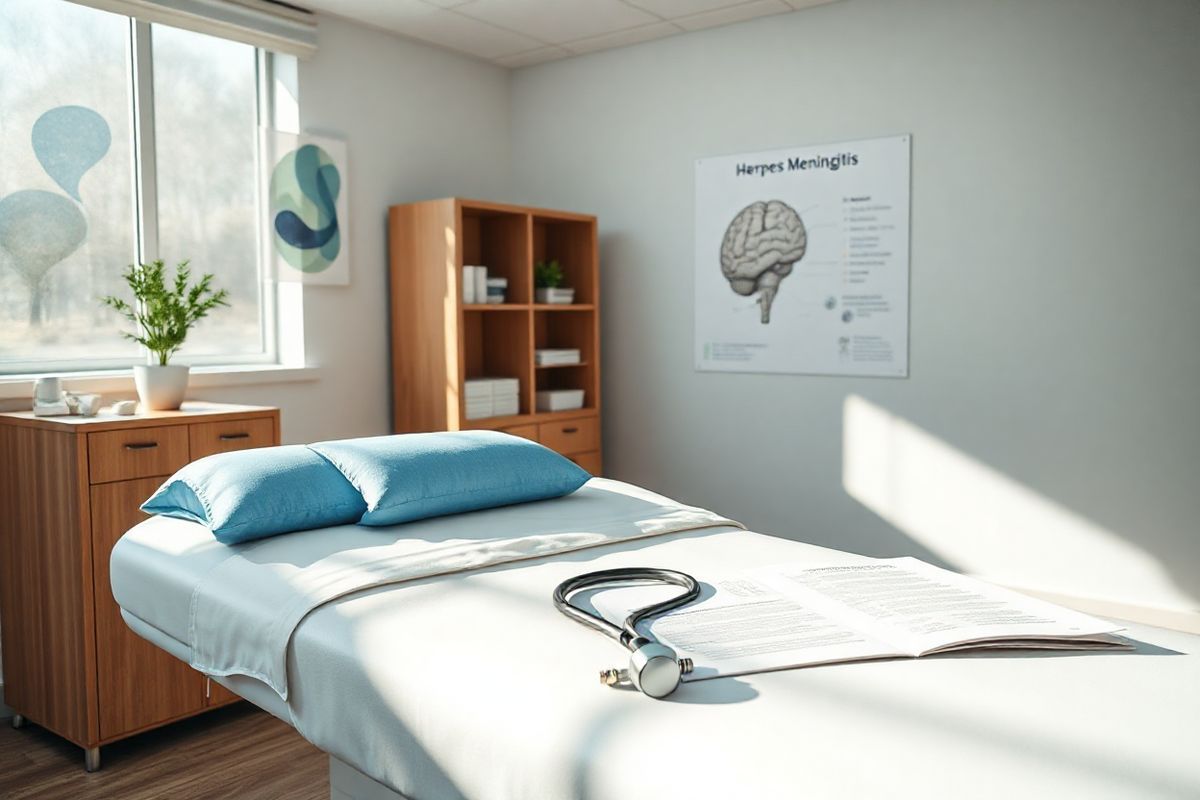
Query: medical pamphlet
<point x="796" y="615"/>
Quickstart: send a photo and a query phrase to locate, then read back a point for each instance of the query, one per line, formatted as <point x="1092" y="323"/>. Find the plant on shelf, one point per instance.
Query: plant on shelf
<point x="547" y="274"/>
<point x="547" y="278"/>
<point x="163" y="312"/>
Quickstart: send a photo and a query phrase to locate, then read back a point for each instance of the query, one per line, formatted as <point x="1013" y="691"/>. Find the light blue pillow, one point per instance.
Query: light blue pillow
<point x="419" y="475"/>
<point x="252" y="494"/>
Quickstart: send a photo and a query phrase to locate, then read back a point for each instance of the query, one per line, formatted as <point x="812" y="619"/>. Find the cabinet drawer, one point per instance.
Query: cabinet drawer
<point x="237" y="434"/>
<point x="571" y="436"/>
<point x="524" y="431"/>
<point x="136" y="453"/>
<point x="589" y="461"/>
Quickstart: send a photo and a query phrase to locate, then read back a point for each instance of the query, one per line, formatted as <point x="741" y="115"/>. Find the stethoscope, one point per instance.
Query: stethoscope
<point x="654" y="669"/>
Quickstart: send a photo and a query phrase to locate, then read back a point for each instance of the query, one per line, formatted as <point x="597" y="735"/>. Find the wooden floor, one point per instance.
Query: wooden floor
<point x="236" y="752"/>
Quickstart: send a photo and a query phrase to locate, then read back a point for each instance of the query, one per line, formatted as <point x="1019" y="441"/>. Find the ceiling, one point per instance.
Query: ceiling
<point x="518" y="33"/>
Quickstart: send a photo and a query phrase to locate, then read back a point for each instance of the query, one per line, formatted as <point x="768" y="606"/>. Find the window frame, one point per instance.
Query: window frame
<point x="140" y="73"/>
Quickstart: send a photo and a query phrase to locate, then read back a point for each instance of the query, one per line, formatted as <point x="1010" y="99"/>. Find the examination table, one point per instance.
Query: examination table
<point x="471" y="684"/>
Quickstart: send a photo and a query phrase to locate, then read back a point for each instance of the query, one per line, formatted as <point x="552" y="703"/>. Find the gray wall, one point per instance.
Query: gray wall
<point x="1055" y="297"/>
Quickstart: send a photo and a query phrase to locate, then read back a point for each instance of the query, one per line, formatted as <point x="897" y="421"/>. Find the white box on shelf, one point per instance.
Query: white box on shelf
<point x="553" y="356"/>
<point x="491" y="397"/>
<point x="506" y="408"/>
<point x="481" y="277"/>
<point x="471" y="275"/>
<point x="510" y="386"/>
<point x="468" y="284"/>
<point x="560" y="400"/>
<point x="478" y="387"/>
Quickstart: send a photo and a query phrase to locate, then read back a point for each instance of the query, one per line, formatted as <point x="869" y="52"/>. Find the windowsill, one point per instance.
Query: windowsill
<point x="202" y="377"/>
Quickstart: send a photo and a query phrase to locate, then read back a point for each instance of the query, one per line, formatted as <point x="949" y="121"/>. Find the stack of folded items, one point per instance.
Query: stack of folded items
<point x="492" y="397"/>
<point x="551" y="357"/>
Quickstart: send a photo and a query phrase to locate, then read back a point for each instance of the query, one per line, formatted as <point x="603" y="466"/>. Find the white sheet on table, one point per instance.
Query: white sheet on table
<point x="473" y="685"/>
<point x="246" y="606"/>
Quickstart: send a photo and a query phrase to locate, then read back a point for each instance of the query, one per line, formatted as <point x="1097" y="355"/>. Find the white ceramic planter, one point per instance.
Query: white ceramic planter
<point x="160" y="388"/>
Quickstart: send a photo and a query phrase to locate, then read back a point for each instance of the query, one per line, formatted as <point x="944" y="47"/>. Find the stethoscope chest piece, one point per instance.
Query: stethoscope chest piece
<point x="654" y="669"/>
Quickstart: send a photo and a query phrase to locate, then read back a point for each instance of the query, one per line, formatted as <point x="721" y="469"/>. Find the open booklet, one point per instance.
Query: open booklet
<point x="797" y="615"/>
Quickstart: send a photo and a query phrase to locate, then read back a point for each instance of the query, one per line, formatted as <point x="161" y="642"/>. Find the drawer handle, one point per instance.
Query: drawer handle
<point x="141" y="445"/>
<point x="572" y="429"/>
<point x="229" y="437"/>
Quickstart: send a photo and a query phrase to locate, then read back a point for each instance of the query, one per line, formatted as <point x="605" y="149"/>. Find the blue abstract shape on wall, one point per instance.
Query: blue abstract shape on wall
<point x="68" y="141"/>
<point x="303" y="196"/>
<point x="39" y="229"/>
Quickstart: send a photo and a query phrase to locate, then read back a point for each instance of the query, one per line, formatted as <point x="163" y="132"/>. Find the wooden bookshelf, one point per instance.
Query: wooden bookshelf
<point x="438" y="342"/>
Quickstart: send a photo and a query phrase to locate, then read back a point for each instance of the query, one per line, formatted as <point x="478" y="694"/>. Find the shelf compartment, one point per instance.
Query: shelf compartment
<point x="500" y="241"/>
<point x="573" y="243"/>
<point x="498" y="346"/>
<point x="575" y="330"/>
<point x="549" y="380"/>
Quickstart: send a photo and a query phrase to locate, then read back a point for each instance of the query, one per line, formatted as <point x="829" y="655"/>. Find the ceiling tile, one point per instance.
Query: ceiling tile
<point x="532" y="57"/>
<point x="727" y="16"/>
<point x="621" y="38"/>
<point x="421" y="20"/>
<point x="558" y="21"/>
<point x="681" y="8"/>
<point x="516" y="33"/>
<point x="468" y="35"/>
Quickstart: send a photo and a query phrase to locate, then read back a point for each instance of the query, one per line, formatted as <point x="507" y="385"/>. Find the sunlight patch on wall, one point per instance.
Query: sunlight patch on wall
<point x="987" y="524"/>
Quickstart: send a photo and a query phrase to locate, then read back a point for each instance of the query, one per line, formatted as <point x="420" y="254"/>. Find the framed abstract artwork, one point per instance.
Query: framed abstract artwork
<point x="307" y="211"/>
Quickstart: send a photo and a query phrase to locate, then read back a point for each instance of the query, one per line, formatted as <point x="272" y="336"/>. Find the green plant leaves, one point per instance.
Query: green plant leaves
<point x="163" y="315"/>
<point x="547" y="274"/>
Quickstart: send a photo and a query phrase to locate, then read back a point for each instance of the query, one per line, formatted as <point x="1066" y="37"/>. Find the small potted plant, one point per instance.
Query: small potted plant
<point x="548" y="277"/>
<point x="162" y="315"/>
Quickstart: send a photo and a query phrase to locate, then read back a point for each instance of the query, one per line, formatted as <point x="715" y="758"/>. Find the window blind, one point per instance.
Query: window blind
<point x="270" y="25"/>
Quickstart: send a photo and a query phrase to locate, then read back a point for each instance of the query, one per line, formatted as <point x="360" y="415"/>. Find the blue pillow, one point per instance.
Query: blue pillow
<point x="419" y="475"/>
<point x="252" y="494"/>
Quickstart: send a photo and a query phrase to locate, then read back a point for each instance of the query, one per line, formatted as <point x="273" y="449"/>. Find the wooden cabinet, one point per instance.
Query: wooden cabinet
<point x="139" y="685"/>
<point x="69" y="488"/>
<point x="438" y="342"/>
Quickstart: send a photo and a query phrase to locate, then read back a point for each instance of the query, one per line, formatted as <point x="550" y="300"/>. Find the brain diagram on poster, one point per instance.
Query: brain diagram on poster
<point x="802" y="260"/>
<point x="761" y="244"/>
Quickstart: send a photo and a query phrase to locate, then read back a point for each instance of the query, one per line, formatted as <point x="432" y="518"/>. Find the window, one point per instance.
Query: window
<point x="206" y="141"/>
<point x="121" y="141"/>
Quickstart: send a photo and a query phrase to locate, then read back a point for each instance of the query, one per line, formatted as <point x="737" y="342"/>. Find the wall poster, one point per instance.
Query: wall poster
<point x="802" y="260"/>
<point x="307" y="208"/>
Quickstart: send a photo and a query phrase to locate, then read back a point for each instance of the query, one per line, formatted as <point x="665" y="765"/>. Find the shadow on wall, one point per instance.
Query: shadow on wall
<point x="984" y="523"/>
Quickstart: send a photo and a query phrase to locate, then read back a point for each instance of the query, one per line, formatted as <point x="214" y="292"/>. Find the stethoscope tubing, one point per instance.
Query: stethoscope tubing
<point x="626" y="634"/>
